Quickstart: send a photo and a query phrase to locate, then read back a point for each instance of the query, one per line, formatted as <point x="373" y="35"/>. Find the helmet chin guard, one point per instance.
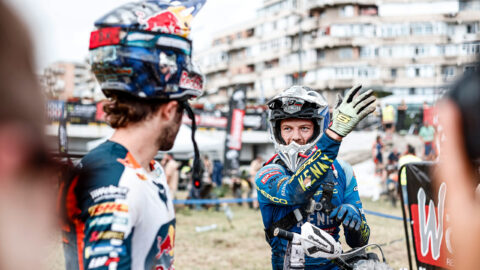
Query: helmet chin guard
<point x="290" y="153"/>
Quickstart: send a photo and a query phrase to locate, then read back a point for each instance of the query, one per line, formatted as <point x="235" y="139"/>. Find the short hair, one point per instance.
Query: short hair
<point x="410" y="149"/>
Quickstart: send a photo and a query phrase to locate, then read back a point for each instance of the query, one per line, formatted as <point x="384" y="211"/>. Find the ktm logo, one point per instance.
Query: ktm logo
<point x="109" y="207"/>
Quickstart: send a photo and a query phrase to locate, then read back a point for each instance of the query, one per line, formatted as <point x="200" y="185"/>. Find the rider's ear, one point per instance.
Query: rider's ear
<point x="169" y="110"/>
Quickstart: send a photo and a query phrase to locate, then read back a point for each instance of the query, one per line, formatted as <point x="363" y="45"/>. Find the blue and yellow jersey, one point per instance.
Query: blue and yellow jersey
<point x="118" y="215"/>
<point x="281" y="191"/>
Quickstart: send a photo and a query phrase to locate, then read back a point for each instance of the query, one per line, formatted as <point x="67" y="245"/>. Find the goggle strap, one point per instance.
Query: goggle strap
<point x="196" y="171"/>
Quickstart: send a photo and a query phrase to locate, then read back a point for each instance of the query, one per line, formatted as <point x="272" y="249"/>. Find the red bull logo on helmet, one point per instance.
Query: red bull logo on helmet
<point x="174" y="20"/>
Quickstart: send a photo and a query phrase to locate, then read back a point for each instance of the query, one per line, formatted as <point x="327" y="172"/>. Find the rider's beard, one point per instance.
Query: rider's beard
<point x="167" y="138"/>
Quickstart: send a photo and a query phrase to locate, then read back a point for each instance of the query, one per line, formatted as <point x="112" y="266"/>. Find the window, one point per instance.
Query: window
<point x="471" y="48"/>
<point x="469" y="69"/>
<point x="320" y="54"/>
<point x="393" y="72"/>
<point x="347" y="11"/>
<point x="369" y="11"/>
<point x="448" y="71"/>
<point x="417" y="72"/>
<point x="472" y="28"/>
<point x="345" y="53"/>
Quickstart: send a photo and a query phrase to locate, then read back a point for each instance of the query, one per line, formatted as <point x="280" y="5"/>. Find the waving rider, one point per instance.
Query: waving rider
<point x="294" y="179"/>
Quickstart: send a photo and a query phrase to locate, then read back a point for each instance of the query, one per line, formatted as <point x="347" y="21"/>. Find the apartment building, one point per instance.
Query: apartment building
<point x="70" y="80"/>
<point x="406" y="47"/>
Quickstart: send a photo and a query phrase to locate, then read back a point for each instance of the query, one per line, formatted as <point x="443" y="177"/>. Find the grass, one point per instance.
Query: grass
<point x="243" y="246"/>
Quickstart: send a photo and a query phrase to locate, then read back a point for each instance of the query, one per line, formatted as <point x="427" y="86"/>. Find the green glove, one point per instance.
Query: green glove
<point x="349" y="111"/>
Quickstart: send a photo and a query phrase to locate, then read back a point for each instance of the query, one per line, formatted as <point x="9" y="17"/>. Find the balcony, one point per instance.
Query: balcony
<point x="218" y="82"/>
<point x="244" y="78"/>
<point x="242" y="43"/>
<point x="214" y="68"/>
<point x="322" y="3"/>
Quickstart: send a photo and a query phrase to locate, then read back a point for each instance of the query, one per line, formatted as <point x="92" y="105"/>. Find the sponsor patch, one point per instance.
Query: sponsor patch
<point x="99" y="221"/>
<point x="191" y="81"/>
<point x="97" y="262"/>
<point x="268" y="175"/>
<point x="109" y="207"/>
<point x="102" y="249"/>
<point x="166" y="245"/>
<point x="109" y="193"/>
<point x="293" y="105"/>
<point x="102" y="261"/>
<point x="105" y="235"/>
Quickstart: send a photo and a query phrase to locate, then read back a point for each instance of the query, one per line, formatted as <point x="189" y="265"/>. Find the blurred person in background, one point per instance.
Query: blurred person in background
<point x="171" y="172"/>
<point x="307" y="145"/>
<point x="393" y="157"/>
<point x="401" y="116"/>
<point x="236" y="181"/>
<point x="377" y="155"/>
<point x="459" y="116"/>
<point x="408" y="157"/>
<point x="217" y="173"/>
<point x="255" y="166"/>
<point x="388" y="121"/>
<point x="119" y="210"/>
<point x="391" y="175"/>
<point x="427" y="135"/>
<point x="28" y="177"/>
<point x="208" y="169"/>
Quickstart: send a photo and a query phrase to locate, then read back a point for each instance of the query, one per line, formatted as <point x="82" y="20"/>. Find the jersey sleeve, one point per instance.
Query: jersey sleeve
<point x="109" y="212"/>
<point x="351" y="196"/>
<point x="276" y="186"/>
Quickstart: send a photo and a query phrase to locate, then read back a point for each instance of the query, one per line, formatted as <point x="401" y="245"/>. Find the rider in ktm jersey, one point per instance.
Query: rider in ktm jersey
<point x="118" y="209"/>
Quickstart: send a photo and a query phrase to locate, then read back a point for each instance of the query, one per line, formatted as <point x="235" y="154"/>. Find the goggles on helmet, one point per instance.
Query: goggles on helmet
<point x="297" y="102"/>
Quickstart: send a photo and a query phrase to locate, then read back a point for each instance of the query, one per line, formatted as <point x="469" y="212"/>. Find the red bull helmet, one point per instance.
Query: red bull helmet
<point x="143" y="49"/>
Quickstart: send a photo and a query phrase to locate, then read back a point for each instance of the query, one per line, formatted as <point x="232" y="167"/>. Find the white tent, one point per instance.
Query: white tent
<point x="212" y="142"/>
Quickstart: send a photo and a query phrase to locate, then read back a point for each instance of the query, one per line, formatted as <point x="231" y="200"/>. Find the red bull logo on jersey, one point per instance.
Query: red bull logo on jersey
<point x="166" y="246"/>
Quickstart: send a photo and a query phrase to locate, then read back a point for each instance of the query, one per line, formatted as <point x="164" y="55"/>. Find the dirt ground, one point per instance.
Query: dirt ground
<point x="243" y="246"/>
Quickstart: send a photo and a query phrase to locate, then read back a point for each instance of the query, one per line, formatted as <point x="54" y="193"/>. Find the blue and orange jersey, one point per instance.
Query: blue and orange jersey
<point x="118" y="215"/>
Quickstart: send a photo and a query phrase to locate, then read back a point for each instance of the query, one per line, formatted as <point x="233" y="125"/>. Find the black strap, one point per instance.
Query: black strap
<point x="197" y="172"/>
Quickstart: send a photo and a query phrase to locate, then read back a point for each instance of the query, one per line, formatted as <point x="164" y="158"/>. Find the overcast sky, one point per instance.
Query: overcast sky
<point x="61" y="28"/>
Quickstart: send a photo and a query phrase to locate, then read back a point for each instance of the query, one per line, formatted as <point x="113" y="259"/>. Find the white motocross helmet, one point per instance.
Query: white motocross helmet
<point x="297" y="102"/>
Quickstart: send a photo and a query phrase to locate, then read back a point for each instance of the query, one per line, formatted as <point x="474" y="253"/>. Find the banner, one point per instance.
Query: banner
<point x="62" y="133"/>
<point x="216" y="120"/>
<point x="233" y="141"/>
<point x="430" y="227"/>
<point x="81" y="113"/>
<point x="55" y="109"/>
